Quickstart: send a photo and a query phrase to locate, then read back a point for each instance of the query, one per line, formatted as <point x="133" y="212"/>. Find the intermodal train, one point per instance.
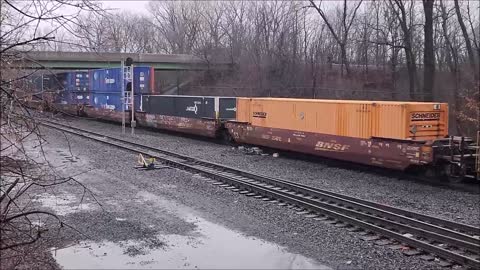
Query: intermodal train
<point x="396" y="135"/>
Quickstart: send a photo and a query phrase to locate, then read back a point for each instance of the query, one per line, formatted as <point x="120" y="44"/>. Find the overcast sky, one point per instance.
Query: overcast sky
<point x="133" y="6"/>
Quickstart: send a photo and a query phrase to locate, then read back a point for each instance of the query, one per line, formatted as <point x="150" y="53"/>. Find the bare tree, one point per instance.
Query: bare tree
<point x="399" y="9"/>
<point x="428" y="52"/>
<point x="342" y="37"/>
<point x="274" y="46"/>
<point x="179" y="24"/>
<point x="468" y="43"/>
<point x="20" y="174"/>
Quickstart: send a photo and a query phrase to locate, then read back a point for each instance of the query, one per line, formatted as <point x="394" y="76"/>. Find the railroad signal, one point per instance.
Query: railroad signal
<point x="128" y="93"/>
<point x="129" y="62"/>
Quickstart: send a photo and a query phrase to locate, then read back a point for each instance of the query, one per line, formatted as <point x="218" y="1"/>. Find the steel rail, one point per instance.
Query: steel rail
<point x="365" y="216"/>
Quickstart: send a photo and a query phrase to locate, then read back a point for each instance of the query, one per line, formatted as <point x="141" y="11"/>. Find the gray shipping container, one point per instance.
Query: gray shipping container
<point x="227" y="108"/>
<point x="190" y="106"/>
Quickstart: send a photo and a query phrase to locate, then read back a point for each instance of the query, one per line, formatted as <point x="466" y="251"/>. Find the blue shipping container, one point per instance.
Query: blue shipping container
<point x="109" y="80"/>
<point x="110" y="101"/>
<point x="78" y="81"/>
<point x="70" y="97"/>
<point x="79" y="97"/>
<point x="62" y="97"/>
<point x="72" y="81"/>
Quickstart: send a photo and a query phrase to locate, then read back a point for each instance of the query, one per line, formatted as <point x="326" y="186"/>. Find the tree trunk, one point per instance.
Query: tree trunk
<point x="407" y="43"/>
<point x="428" y="53"/>
<point x="468" y="44"/>
<point x="343" y="50"/>
<point x="411" y="72"/>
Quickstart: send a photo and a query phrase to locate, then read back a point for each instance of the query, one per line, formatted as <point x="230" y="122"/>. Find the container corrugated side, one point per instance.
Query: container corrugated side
<point x="243" y="110"/>
<point x="160" y="105"/>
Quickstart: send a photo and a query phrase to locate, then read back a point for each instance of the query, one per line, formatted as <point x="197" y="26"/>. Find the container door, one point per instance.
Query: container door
<point x="227" y="108"/>
<point x="428" y="121"/>
<point x="210" y="107"/>
<point x="258" y="114"/>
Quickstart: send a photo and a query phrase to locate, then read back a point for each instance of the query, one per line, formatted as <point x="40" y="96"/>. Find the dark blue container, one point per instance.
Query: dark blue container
<point x="109" y="80"/>
<point x="63" y="97"/>
<point x="70" y="81"/>
<point x="77" y="81"/>
<point x="110" y="101"/>
<point x="107" y="101"/>
<point x="79" y="97"/>
<point x="144" y="80"/>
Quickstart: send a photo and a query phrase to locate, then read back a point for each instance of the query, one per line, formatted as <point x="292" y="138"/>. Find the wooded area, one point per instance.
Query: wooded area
<point x="385" y="50"/>
<point x="400" y="50"/>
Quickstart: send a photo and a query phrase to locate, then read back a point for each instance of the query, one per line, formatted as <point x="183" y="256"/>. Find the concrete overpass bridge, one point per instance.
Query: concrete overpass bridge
<point x="93" y="60"/>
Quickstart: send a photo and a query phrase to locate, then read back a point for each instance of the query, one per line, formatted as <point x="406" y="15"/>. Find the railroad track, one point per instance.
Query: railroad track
<point x="420" y="234"/>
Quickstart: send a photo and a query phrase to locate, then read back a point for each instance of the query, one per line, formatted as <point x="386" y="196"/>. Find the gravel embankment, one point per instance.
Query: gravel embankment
<point x="131" y="207"/>
<point x="433" y="200"/>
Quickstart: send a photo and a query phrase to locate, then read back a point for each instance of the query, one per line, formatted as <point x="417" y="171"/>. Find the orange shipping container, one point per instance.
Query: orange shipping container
<point x="360" y="119"/>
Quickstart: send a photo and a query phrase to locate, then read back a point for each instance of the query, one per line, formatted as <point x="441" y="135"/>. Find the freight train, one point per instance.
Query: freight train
<point x="395" y="135"/>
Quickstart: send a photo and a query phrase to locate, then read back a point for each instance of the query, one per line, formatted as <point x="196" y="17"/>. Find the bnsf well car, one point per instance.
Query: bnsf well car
<point x="395" y="135"/>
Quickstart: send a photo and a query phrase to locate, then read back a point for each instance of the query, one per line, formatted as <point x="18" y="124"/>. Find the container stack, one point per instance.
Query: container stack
<point x="77" y="87"/>
<point x="106" y="87"/>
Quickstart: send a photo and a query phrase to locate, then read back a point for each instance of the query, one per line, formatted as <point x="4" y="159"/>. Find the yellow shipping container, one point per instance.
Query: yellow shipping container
<point x="352" y="118"/>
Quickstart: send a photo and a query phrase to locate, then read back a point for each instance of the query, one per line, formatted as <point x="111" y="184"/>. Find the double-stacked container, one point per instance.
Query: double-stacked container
<point x="106" y="86"/>
<point x="77" y="86"/>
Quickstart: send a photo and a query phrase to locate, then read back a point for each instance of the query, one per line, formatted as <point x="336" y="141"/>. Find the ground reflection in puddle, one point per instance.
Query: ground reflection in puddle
<point x="210" y="246"/>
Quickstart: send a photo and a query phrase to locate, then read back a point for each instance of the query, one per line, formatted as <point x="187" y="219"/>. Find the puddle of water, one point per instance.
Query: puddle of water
<point x="209" y="246"/>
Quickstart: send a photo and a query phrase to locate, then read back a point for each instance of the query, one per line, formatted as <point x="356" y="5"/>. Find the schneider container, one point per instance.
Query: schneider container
<point x="359" y="119"/>
<point x="395" y="135"/>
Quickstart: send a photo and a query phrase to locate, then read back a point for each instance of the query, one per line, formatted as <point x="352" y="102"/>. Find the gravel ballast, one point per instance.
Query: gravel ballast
<point x="132" y="208"/>
<point x="438" y="201"/>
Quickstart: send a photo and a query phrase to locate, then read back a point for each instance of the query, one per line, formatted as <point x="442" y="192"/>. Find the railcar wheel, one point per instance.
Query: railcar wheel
<point x="433" y="172"/>
<point x="226" y="137"/>
<point x="453" y="173"/>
